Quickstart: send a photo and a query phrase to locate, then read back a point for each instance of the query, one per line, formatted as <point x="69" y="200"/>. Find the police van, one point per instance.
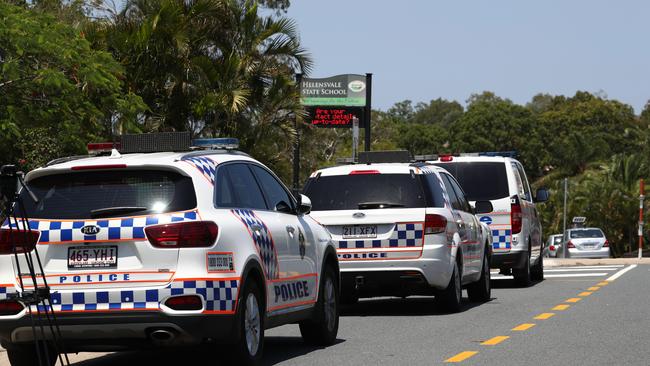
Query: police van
<point x="169" y="246"/>
<point x="515" y="224"/>
<point x="402" y="229"/>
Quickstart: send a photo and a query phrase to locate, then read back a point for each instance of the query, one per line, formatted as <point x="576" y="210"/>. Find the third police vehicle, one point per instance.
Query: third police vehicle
<point x="514" y="222"/>
<point x="402" y="229"/>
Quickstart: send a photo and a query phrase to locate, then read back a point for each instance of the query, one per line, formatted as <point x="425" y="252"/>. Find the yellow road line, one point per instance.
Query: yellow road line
<point x="494" y="341"/>
<point x="523" y="327"/>
<point x="573" y="299"/>
<point x="461" y="356"/>
<point x="584" y="294"/>
<point x="604" y="283"/>
<point x="594" y="288"/>
<point x="544" y="316"/>
<point x="561" y="307"/>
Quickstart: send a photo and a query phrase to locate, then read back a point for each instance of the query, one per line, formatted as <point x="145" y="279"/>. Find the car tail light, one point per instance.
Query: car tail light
<point x="516" y="217"/>
<point x="98" y="167"/>
<point x="23" y="240"/>
<point x="435" y="224"/>
<point x="446" y="158"/>
<point x="552" y="247"/>
<point x="187" y="302"/>
<point x="360" y="172"/>
<point x="191" y="234"/>
<point x="606" y="243"/>
<point x="10" y="307"/>
<point x="570" y="244"/>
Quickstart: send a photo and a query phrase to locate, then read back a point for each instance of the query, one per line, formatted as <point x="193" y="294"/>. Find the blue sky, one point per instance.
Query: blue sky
<point x="426" y="49"/>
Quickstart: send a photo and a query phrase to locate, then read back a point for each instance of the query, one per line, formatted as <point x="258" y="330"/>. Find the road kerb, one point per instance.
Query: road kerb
<point x="461" y="356"/>
<point x="494" y="341"/>
<point x="523" y="327"/>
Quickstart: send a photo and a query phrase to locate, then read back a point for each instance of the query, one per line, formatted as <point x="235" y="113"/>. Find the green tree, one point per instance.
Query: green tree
<point x="51" y="78"/>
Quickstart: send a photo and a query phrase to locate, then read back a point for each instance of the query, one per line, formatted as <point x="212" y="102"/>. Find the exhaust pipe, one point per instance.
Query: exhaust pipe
<point x="162" y="336"/>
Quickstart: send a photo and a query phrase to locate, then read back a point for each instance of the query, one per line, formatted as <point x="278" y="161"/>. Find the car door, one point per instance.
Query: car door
<point x="531" y="219"/>
<point x="463" y="228"/>
<point x="473" y="245"/>
<point x="239" y="190"/>
<point x="297" y="285"/>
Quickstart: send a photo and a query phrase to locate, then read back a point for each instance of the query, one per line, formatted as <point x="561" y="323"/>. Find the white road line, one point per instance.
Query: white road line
<point x="578" y="269"/>
<point x="620" y="273"/>
<point x="576" y="275"/>
<point x="608" y="266"/>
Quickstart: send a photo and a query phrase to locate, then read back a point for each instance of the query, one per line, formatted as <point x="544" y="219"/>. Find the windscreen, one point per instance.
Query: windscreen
<point x="92" y="195"/>
<point x="370" y="191"/>
<point x="586" y="233"/>
<point x="481" y="181"/>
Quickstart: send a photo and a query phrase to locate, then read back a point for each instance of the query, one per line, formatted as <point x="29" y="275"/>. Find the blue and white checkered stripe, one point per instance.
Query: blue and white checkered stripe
<point x="129" y="228"/>
<point x="205" y="165"/>
<point x="262" y="239"/>
<point x="501" y="239"/>
<point x="220" y="296"/>
<point x="445" y="196"/>
<point x="405" y="235"/>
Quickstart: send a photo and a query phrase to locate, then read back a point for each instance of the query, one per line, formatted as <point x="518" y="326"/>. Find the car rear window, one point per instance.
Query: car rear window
<point x="136" y="192"/>
<point x="481" y="181"/>
<point x="368" y="191"/>
<point x="586" y="233"/>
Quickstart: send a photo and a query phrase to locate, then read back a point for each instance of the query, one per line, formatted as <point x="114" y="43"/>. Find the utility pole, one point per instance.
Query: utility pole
<point x="565" y="248"/>
<point x="296" y="143"/>
<point x="641" y="199"/>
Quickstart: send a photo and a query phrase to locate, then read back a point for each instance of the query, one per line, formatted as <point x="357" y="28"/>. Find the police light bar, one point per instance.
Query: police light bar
<point x="226" y="143"/>
<point x="505" y="154"/>
<point x="96" y="148"/>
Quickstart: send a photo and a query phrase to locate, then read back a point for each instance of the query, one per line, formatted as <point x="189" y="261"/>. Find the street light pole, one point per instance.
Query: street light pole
<point x="564" y="238"/>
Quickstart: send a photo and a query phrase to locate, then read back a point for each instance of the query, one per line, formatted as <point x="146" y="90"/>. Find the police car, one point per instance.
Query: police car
<point x="402" y="229"/>
<point x="170" y="248"/>
<point x="515" y="224"/>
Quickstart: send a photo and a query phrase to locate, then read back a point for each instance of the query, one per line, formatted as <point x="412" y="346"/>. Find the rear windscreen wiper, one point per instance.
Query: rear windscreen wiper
<point x="110" y="211"/>
<point x="371" y="205"/>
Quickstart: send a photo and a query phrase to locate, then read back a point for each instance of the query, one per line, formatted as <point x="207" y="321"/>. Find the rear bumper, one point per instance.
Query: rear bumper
<point x="512" y="259"/>
<point x="600" y="253"/>
<point x="432" y="270"/>
<point x="119" y="331"/>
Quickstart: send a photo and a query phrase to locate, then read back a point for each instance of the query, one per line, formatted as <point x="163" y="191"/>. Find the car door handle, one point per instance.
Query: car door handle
<point x="291" y="230"/>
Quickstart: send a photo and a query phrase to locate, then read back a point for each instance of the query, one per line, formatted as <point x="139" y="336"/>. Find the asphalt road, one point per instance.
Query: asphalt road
<point x="602" y="323"/>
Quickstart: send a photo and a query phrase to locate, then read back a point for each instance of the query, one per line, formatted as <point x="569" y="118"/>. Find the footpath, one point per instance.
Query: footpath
<point x="560" y="262"/>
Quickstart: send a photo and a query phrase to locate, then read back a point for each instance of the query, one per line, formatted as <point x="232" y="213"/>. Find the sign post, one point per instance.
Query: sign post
<point x="564" y="237"/>
<point x="368" y="110"/>
<point x="355" y="138"/>
<point x="296" y="148"/>
<point x="641" y="199"/>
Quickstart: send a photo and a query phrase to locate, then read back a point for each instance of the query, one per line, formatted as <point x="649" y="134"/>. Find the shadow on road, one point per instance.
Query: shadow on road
<point x="510" y="284"/>
<point x="415" y="306"/>
<point x="276" y="350"/>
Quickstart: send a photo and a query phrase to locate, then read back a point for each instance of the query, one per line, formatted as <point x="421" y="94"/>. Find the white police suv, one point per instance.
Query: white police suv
<point x="516" y="228"/>
<point x="170" y="248"/>
<point x="402" y="229"/>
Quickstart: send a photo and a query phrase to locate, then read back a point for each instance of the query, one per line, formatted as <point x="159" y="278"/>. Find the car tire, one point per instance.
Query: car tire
<point x="449" y="299"/>
<point x="481" y="291"/>
<point x="322" y="329"/>
<point x="537" y="273"/>
<point x="251" y="325"/>
<point x="522" y="275"/>
<point x="27" y="356"/>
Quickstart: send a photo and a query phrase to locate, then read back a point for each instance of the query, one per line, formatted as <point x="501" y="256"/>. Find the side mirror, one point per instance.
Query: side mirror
<point x="304" y="206"/>
<point x="283" y="207"/>
<point x="483" y="207"/>
<point x="541" y="195"/>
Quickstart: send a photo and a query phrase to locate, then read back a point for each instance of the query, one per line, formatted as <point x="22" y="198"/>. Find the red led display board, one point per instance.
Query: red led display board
<point x="334" y="116"/>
